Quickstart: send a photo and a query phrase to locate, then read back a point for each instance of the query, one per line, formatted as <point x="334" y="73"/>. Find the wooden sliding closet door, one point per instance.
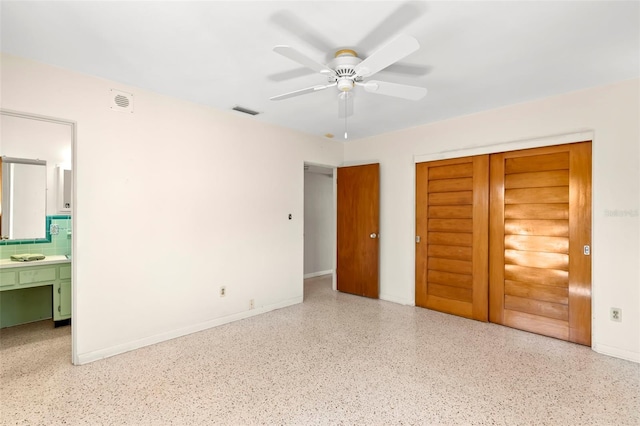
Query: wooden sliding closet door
<point x="540" y="233"/>
<point x="452" y="236"/>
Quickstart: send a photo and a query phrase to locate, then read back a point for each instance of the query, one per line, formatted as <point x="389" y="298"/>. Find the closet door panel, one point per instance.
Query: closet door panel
<point x="537" y="324"/>
<point x="456" y="239"/>
<point x="451" y="279"/>
<point x="451" y="198"/>
<point x="536" y="211"/>
<point x="580" y="237"/>
<point x="538" y="163"/>
<point x="537" y="259"/>
<point x="536" y="243"/>
<point x="550" y="195"/>
<point x="540" y="221"/>
<point x="451" y="222"/>
<point x="545" y="293"/>
<point x="525" y="274"/>
<point x="537" y="179"/>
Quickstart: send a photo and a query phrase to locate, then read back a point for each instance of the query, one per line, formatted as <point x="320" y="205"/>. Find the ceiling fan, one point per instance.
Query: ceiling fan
<point x="347" y="71"/>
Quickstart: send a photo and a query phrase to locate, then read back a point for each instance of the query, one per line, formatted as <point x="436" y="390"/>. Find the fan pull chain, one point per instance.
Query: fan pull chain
<point x="345" y="115"/>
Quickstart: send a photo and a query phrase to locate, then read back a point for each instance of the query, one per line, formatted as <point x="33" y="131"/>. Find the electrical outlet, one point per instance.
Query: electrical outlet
<point x="615" y="314"/>
<point x="223" y="291"/>
<point x="251" y="304"/>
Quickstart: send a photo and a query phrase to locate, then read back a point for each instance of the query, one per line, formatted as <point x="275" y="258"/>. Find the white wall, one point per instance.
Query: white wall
<point x="610" y="112"/>
<point x="319" y="228"/>
<point x="177" y="199"/>
<point x="171" y="202"/>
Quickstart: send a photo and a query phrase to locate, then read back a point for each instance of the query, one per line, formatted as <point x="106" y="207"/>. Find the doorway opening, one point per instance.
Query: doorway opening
<point x="39" y="290"/>
<point x="319" y="233"/>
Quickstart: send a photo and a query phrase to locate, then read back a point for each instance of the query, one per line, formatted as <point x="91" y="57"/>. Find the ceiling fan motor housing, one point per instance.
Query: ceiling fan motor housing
<point x="344" y="64"/>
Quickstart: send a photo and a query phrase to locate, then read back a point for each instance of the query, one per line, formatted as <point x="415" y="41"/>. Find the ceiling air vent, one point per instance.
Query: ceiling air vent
<point x="245" y="110"/>
<point x="120" y="101"/>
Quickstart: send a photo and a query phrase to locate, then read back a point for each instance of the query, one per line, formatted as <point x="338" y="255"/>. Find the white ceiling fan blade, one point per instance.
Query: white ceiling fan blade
<point x="400" y="18"/>
<point x="301" y="58"/>
<point x="295" y="25"/>
<point x="404" y="91"/>
<point x="345" y="104"/>
<point x="301" y="92"/>
<point x="391" y="52"/>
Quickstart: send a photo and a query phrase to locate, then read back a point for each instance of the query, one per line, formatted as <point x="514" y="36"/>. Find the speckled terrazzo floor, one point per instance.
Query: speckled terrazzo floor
<point x="335" y="359"/>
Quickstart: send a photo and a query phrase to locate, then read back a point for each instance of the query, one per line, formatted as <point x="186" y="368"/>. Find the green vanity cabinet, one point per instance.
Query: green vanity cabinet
<point x="23" y="296"/>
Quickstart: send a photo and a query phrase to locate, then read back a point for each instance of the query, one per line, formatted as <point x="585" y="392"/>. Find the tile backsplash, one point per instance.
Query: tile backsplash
<point x="60" y="244"/>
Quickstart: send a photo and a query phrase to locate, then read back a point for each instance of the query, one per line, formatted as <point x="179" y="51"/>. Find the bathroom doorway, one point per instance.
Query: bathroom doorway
<point x="38" y="292"/>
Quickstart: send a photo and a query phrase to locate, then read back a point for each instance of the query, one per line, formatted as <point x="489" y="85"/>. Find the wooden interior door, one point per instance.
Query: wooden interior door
<point x="540" y="226"/>
<point x="452" y="204"/>
<point x="358" y="229"/>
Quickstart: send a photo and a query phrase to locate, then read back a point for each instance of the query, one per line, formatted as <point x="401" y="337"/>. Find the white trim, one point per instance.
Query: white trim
<point x="395" y="299"/>
<point x="561" y="139"/>
<point x="617" y="352"/>
<point x="317" y="274"/>
<point x="158" y="338"/>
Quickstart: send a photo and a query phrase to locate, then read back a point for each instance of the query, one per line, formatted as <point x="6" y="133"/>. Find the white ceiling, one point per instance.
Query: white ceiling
<point x="474" y="55"/>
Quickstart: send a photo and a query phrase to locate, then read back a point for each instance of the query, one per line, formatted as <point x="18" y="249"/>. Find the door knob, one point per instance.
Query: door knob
<point x="373" y="235"/>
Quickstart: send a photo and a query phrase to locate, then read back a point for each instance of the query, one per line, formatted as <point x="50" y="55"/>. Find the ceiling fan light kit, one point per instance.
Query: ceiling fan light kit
<point x="347" y="70"/>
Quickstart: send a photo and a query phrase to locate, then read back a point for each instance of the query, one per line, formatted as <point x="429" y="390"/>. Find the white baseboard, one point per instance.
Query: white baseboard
<point x="616" y="352"/>
<point x="394" y="299"/>
<point x="151" y="340"/>
<point x="317" y="274"/>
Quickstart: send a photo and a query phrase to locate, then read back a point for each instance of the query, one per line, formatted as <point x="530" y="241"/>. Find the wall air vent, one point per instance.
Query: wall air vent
<point x="120" y="101"/>
<point x="245" y="110"/>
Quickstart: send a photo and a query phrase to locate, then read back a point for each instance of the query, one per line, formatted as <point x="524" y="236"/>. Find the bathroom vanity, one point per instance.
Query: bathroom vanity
<point x="52" y="271"/>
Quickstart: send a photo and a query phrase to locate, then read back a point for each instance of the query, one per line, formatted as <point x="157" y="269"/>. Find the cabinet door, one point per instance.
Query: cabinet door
<point x="62" y="300"/>
<point x="8" y="279"/>
<point x="65" y="299"/>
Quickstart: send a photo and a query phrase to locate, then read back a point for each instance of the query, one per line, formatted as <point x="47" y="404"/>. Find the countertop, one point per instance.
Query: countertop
<point x="49" y="260"/>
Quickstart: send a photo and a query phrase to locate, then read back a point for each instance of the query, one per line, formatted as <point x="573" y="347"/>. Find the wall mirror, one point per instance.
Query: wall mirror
<point x="33" y="149"/>
<point x="24" y="199"/>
